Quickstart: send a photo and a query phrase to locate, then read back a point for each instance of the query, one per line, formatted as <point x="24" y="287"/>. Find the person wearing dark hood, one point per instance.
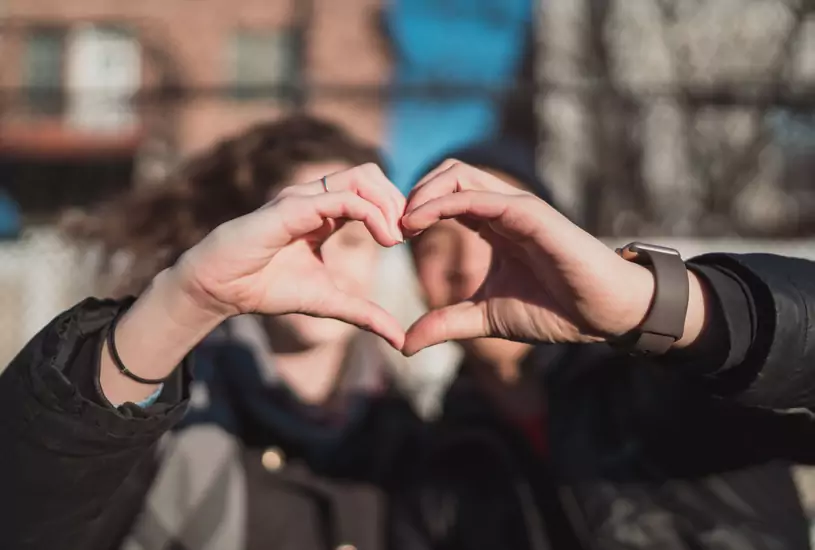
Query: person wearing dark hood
<point x="638" y="452"/>
<point x="581" y="444"/>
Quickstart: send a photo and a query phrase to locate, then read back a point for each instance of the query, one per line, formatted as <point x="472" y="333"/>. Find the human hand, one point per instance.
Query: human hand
<point x="269" y="260"/>
<point x="549" y="280"/>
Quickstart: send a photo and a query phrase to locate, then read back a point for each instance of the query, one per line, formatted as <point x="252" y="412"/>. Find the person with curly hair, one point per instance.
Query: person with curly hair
<point x="281" y="406"/>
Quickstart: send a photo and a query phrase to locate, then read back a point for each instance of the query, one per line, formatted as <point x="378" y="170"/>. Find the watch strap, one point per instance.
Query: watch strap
<point x="664" y="323"/>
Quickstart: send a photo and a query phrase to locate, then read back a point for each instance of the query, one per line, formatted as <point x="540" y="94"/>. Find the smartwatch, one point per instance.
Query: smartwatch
<point x="664" y="323"/>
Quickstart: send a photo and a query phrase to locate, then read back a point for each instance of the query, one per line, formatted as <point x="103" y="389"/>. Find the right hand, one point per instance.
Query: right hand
<point x="269" y="261"/>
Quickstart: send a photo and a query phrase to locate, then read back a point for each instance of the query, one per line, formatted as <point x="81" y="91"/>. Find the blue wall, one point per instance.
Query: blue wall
<point x="458" y="42"/>
<point x="9" y="218"/>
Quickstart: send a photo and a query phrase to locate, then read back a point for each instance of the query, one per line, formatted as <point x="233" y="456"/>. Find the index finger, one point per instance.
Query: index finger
<point x="300" y="215"/>
<point x="457" y="177"/>
<point x="514" y="213"/>
<point x="443" y="167"/>
<point x="369" y="182"/>
<point x="419" y="194"/>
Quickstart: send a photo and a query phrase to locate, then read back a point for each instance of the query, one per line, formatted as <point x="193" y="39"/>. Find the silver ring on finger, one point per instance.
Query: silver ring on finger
<point x="324" y="181"/>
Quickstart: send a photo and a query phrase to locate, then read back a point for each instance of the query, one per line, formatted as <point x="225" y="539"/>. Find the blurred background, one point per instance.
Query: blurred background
<point x="687" y="121"/>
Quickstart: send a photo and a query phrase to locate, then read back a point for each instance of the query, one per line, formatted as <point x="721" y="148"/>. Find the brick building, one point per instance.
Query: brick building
<point x="97" y="93"/>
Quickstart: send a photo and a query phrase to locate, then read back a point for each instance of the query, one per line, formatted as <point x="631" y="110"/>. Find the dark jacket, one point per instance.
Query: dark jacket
<point x="642" y="455"/>
<point x="306" y="476"/>
<point x="685" y="452"/>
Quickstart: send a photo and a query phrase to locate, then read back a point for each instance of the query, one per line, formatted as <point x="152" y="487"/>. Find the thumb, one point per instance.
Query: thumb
<point x="364" y="314"/>
<point x="461" y="321"/>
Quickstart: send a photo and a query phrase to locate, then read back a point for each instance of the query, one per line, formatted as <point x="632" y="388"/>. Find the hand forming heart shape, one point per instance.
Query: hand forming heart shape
<point x="549" y="280"/>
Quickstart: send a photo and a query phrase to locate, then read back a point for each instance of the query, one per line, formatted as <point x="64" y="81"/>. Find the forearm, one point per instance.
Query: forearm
<point x="758" y="347"/>
<point x="725" y="332"/>
<point x="65" y="456"/>
<point x="153" y="337"/>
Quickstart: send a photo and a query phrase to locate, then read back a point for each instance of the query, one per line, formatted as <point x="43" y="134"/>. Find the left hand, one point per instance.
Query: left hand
<point x="549" y="281"/>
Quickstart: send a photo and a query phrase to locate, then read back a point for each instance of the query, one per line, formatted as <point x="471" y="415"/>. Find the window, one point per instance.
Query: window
<point x="103" y="73"/>
<point x="98" y="68"/>
<point x="264" y="64"/>
<point x="42" y="64"/>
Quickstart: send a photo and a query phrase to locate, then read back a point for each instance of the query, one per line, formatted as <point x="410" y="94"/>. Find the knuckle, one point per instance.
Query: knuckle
<point x="459" y="169"/>
<point x="371" y="168"/>
<point x="351" y="202"/>
<point x="288" y="201"/>
<point x="467" y="195"/>
<point x="271" y="204"/>
<point x="365" y="320"/>
<point x="359" y="172"/>
<point x="298" y="203"/>
<point x="529" y="201"/>
<point x="346" y="196"/>
<point x="417" y="190"/>
<point x="218" y="232"/>
<point x="287" y="191"/>
<point x="223" y="232"/>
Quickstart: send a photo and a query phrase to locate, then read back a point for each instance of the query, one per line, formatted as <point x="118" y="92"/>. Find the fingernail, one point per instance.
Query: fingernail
<point x="398" y="236"/>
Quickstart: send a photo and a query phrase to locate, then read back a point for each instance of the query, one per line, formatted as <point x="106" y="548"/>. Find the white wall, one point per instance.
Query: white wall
<point x="39" y="277"/>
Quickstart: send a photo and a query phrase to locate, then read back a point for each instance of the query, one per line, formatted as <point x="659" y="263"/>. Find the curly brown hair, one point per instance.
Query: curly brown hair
<point x="152" y="226"/>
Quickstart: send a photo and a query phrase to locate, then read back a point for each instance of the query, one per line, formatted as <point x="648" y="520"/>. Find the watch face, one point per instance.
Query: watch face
<point x="639" y="248"/>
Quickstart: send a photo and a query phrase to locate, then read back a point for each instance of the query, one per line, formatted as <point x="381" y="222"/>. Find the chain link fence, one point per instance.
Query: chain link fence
<point x="680" y="117"/>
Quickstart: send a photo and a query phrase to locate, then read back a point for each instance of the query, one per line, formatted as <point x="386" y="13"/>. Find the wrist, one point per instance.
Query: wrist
<point x="698" y="297"/>
<point x="153" y="337"/>
<point x="190" y="303"/>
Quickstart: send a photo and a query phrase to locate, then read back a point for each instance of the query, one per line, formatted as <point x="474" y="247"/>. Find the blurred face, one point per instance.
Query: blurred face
<point x="452" y="261"/>
<point x="350" y="255"/>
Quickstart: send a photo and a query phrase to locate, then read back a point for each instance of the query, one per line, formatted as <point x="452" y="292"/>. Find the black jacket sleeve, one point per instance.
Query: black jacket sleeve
<point x="67" y="461"/>
<point x="764" y="307"/>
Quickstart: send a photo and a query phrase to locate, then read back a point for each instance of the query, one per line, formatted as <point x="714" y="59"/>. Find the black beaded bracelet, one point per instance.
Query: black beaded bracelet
<point x="114" y="354"/>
